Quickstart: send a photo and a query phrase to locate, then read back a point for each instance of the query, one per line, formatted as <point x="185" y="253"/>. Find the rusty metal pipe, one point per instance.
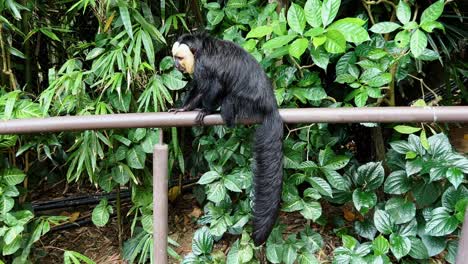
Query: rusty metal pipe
<point x="443" y="114"/>
<point x="160" y="203"/>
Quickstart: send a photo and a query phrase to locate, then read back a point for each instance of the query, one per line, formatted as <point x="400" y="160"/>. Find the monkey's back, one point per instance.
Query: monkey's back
<point x="244" y="81"/>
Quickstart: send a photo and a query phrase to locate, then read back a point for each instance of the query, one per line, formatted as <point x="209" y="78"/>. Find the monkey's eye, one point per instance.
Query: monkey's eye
<point x="179" y="58"/>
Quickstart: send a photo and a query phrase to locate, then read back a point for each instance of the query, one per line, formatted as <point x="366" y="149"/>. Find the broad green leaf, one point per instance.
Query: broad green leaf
<point x="208" y="177"/>
<point x="418" y="43"/>
<point x="452" y="250"/>
<point x="172" y="82"/>
<point x="402" y="39"/>
<point x="319" y="40"/>
<point x="403" y="12"/>
<point x="411" y="25"/>
<point x="401" y="146"/>
<point x="312" y="9"/>
<point x="349" y="242"/>
<point x="317" y="94"/>
<point x="401" y="210"/>
<point x="336" y="180"/>
<point x="336" y="163"/>
<point x="289" y="254"/>
<point x="12" y="233"/>
<point x="418" y="249"/>
<point x="399" y="245"/>
<point x="433" y="12"/>
<point x="383" y="222"/>
<point x="12" y="247"/>
<point x="122" y="174"/>
<point x="352" y="29"/>
<point x="426" y="193"/>
<point x="370" y="175"/>
<point x="297" y="48"/>
<point x="439" y="145"/>
<point x="434" y="245"/>
<point x="384" y="27"/>
<point x="441" y="223"/>
<point x="345" y="78"/>
<point x="202" y="242"/>
<point x="451" y="196"/>
<point x="370" y="74"/>
<point x="455" y="176"/>
<point x="307" y="258"/>
<point x="346" y="62"/>
<point x="166" y="63"/>
<point x="259" y="32"/>
<point x="403" y="129"/>
<point x="313" y="32"/>
<point x="365" y="229"/>
<point x="215" y="16"/>
<point x="361" y="98"/>
<point x="363" y="201"/>
<point x="278" y="42"/>
<point x="274" y="253"/>
<point x="380" y="245"/>
<point x="429" y="55"/>
<point x="6" y="204"/>
<point x="237" y="3"/>
<point x="136" y="135"/>
<point x="335" y="43"/>
<point x="136" y="157"/>
<point x="13" y="176"/>
<point x="216" y="192"/>
<point x="380" y="80"/>
<point x="312" y="210"/>
<point x="100" y="215"/>
<point x="296" y="18"/>
<point x="429" y="26"/>
<point x="329" y="11"/>
<point x="321" y="185"/>
<point x="232" y="183"/>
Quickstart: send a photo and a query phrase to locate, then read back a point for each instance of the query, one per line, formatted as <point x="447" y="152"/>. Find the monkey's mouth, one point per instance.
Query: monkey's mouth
<point x="179" y="67"/>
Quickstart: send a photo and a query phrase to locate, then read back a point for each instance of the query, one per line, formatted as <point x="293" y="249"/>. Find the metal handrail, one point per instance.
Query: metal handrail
<point x="160" y="153"/>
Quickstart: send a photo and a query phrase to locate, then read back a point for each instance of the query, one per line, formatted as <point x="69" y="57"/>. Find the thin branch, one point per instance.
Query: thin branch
<point x="381" y="1"/>
<point x="369" y="11"/>
<point x="296" y="129"/>
<point x="423" y="84"/>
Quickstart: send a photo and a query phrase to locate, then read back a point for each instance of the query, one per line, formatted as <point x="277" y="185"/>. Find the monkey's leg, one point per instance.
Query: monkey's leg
<point x="191" y="105"/>
<point x="228" y="112"/>
<point x="191" y="101"/>
<point x="210" y="88"/>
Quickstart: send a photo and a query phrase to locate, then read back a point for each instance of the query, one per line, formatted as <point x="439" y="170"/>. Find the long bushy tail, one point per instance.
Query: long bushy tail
<point x="268" y="175"/>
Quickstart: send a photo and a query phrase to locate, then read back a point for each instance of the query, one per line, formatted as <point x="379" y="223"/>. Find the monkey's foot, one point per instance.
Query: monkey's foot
<point x="200" y="116"/>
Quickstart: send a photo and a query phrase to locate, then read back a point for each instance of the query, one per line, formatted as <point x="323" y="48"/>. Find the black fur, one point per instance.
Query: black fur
<point x="226" y="76"/>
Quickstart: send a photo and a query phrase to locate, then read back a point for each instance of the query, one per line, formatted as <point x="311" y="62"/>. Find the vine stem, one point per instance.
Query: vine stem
<point x="423" y="85"/>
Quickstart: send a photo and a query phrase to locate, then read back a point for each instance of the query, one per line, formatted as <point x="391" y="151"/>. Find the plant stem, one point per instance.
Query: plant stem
<point x="119" y="219"/>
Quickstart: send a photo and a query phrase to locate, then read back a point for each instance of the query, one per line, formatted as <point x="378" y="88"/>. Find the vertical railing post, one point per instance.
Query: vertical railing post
<point x="462" y="255"/>
<point x="160" y="201"/>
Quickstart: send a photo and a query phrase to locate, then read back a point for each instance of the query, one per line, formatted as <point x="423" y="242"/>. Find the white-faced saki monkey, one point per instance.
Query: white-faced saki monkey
<point x="227" y="76"/>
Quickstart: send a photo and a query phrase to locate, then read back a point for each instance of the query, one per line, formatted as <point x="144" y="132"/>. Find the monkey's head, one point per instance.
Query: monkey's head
<point x="184" y="52"/>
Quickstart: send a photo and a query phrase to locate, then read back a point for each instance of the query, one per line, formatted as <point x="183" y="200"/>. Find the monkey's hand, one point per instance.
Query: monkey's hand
<point x="200" y="116"/>
<point x="177" y="110"/>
